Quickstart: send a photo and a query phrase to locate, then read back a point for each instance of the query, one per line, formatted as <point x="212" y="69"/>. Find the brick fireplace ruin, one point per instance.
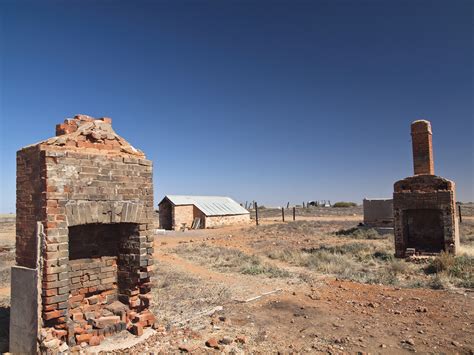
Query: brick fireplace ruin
<point x="424" y="204"/>
<point x="85" y="228"/>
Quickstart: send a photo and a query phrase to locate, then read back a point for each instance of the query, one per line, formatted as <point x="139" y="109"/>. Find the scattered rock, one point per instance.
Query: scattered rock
<point x="212" y="343"/>
<point x="455" y="343"/>
<point x="409" y="341"/>
<point x="51" y="344"/>
<point x="187" y="348"/>
<point x="63" y="348"/>
<point x="242" y="339"/>
<point x="226" y="340"/>
<point x="383" y="346"/>
<point x="421" y="309"/>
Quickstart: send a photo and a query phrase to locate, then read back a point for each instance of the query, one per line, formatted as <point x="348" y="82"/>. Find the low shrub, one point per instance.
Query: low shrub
<point x="457" y="270"/>
<point x="344" y="204"/>
<point x="360" y="233"/>
<point x="229" y="260"/>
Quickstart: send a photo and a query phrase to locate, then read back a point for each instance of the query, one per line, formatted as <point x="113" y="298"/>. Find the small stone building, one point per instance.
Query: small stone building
<point x="179" y="211"/>
<point x="378" y="212"/>
<point x="84" y="239"/>
<point x="424" y="205"/>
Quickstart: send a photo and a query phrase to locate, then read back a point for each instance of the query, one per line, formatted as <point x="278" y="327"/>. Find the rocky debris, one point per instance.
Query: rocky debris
<point x="51" y="344"/>
<point x="212" y="343"/>
<point x="187" y="348"/>
<point x="242" y="339"/>
<point x="421" y="309"/>
<point x="226" y="340"/>
<point x="95" y="340"/>
<point x="137" y="329"/>
<point x="84" y="131"/>
<point x="409" y="341"/>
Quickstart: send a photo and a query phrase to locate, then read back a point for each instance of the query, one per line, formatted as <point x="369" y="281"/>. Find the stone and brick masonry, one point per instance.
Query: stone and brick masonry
<point x="424" y="205"/>
<point x="92" y="193"/>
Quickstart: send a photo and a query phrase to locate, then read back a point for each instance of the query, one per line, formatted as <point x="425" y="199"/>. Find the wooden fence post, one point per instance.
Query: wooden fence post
<point x="460" y="214"/>
<point x="256" y="212"/>
<point x="294" y="213"/>
<point x="283" y="214"/>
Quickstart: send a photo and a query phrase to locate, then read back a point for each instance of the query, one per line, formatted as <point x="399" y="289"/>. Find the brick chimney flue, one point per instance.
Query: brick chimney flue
<point x="422" y="147"/>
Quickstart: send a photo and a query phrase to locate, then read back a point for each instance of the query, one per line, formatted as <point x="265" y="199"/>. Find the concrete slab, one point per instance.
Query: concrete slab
<point x="24" y="310"/>
<point x="120" y="341"/>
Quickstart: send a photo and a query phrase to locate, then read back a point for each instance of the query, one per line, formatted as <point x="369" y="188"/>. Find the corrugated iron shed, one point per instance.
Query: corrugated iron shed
<point x="209" y="205"/>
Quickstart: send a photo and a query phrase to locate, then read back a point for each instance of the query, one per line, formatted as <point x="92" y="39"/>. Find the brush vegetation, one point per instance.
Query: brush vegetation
<point x="229" y="260"/>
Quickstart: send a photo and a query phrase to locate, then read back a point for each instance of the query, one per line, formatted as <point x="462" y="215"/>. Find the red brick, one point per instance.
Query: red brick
<point x="53" y="314"/>
<point x="83" y="338"/>
<point x="103" y="322"/>
<point x="77" y="316"/>
<point x="137" y="329"/>
<point x="94" y="341"/>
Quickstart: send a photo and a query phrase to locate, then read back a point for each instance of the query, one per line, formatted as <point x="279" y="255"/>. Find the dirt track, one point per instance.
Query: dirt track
<point x="324" y="314"/>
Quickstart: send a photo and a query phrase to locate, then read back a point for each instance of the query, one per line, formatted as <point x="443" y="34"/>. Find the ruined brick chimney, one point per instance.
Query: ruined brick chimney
<point x="421" y="136"/>
<point x="84" y="239"/>
<point x="424" y="205"/>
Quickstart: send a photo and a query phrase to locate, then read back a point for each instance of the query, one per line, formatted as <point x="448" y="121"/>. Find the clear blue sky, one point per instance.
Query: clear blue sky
<point x="272" y="101"/>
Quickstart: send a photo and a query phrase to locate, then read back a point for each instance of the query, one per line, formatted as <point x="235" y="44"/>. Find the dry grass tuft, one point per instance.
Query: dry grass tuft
<point x="374" y="263"/>
<point x="178" y="296"/>
<point x="359" y="233"/>
<point x="229" y="260"/>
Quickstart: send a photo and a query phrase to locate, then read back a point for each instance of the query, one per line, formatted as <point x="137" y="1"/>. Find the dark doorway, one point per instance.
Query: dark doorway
<point x="424" y="230"/>
<point x="166" y="215"/>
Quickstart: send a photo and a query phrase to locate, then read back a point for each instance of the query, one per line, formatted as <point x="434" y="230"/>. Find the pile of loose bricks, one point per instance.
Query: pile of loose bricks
<point x="92" y="194"/>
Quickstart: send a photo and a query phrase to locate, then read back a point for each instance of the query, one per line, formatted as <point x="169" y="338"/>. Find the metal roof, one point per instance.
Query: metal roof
<point x="209" y="205"/>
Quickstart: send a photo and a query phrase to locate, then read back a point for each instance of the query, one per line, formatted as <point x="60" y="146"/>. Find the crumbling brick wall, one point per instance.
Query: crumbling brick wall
<point x="378" y="212"/>
<point x="86" y="176"/>
<point x="424" y="205"/>
<point x="31" y="205"/>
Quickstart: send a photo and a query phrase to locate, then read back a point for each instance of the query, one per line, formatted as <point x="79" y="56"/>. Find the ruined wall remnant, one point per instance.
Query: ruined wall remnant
<point x="92" y="193"/>
<point x="378" y="212"/>
<point x="424" y="204"/>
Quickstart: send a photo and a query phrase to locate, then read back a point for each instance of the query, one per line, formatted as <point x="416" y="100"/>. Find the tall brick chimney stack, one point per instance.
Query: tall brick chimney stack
<point x="422" y="147"/>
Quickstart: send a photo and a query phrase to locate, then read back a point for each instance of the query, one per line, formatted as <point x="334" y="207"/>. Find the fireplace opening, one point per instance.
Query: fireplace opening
<point x="424" y="230"/>
<point x="99" y="263"/>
